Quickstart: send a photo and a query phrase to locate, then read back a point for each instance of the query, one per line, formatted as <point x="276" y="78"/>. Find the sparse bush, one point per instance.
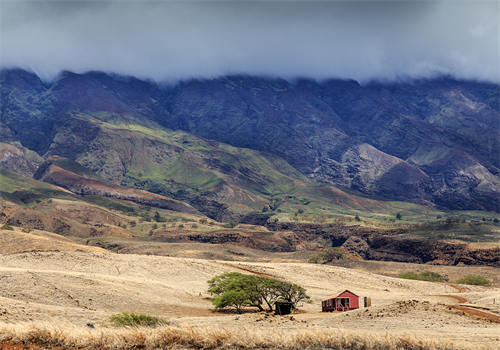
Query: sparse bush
<point x="159" y="218"/>
<point x="203" y="221"/>
<point x="428" y="276"/>
<point x="474" y="280"/>
<point x="126" y="319"/>
<point x="305" y="201"/>
<point x="229" y="225"/>
<point x="155" y="226"/>
<point x="133" y="223"/>
<point x="357" y="218"/>
<point x="7" y="227"/>
<point x="495" y="220"/>
<point x="398" y="216"/>
<point x="194" y="226"/>
<point x="180" y="226"/>
<point x="327" y="255"/>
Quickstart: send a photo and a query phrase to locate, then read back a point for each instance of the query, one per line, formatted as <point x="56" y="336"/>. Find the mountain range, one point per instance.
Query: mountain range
<point x="233" y="145"/>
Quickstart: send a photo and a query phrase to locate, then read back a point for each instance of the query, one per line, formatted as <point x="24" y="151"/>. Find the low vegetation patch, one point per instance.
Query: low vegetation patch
<point x="237" y="290"/>
<point x="7" y="227"/>
<point x="424" y="276"/>
<point x="327" y="255"/>
<point x="126" y="319"/>
<point x="474" y="280"/>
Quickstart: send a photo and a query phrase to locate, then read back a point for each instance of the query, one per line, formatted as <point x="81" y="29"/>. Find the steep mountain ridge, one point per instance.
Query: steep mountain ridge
<point x="424" y="141"/>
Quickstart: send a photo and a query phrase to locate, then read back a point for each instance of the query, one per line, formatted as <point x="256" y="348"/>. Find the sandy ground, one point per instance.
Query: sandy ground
<point x="88" y="286"/>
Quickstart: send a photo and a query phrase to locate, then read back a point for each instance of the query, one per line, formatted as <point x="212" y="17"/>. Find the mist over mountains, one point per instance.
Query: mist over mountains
<point x="165" y="41"/>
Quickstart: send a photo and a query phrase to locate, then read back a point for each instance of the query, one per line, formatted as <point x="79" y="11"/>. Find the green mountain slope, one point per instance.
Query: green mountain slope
<point x="220" y="180"/>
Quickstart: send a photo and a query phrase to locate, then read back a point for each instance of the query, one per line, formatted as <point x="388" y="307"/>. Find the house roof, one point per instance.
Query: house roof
<point x="337" y="295"/>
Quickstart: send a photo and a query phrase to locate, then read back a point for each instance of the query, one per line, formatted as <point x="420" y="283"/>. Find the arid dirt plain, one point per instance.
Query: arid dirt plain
<point x="53" y="280"/>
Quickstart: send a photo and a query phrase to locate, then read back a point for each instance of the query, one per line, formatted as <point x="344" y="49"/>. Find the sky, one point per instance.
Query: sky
<point x="169" y="40"/>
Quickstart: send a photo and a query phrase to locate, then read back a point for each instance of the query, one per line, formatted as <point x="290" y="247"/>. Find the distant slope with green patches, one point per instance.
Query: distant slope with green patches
<point x="252" y="144"/>
<point x="220" y="180"/>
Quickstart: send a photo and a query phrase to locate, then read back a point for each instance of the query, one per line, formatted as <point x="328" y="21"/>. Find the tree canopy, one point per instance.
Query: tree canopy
<point x="234" y="289"/>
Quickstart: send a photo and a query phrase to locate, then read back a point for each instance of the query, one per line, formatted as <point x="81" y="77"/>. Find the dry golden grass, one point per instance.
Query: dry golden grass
<point x="69" y="336"/>
<point x="17" y="241"/>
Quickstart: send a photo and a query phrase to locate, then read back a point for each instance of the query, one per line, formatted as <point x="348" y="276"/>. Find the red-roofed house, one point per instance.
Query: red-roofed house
<point x="346" y="300"/>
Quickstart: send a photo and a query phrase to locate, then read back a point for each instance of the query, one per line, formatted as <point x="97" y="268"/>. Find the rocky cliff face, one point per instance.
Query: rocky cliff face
<point x="377" y="244"/>
<point x="433" y="141"/>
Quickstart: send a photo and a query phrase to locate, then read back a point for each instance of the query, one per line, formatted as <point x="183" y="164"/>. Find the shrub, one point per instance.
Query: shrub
<point x="7" y="227"/>
<point x="495" y="220"/>
<point x="203" y="221"/>
<point x="475" y="280"/>
<point x="126" y="319"/>
<point x="158" y="218"/>
<point x="180" y="226"/>
<point x="357" y="218"/>
<point x="428" y="276"/>
<point x="229" y="225"/>
<point x="398" y="216"/>
<point x="133" y="223"/>
<point x="234" y="289"/>
<point x="327" y="255"/>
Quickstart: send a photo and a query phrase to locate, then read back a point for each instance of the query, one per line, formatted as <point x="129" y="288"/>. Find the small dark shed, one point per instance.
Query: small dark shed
<point x="282" y="308"/>
<point x="346" y="300"/>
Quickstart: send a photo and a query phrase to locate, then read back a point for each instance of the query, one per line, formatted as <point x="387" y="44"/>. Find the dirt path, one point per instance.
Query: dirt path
<point x="468" y="310"/>
<point x="477" y="313"/>
<point x="458" y="299"/>
<point x="247" y="269"/>
<point x="459" y="289"/>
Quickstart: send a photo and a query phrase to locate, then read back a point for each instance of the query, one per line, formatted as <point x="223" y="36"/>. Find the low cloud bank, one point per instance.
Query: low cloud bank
<point x="178" y="40"/>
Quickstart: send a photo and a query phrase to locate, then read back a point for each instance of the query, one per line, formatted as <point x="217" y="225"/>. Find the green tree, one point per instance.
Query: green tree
<point x="233" y="289"/>
<point x="236" y="290"/>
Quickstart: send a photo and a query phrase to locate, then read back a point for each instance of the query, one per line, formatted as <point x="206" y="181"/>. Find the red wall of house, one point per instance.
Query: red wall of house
<point x="354" y="299"/>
